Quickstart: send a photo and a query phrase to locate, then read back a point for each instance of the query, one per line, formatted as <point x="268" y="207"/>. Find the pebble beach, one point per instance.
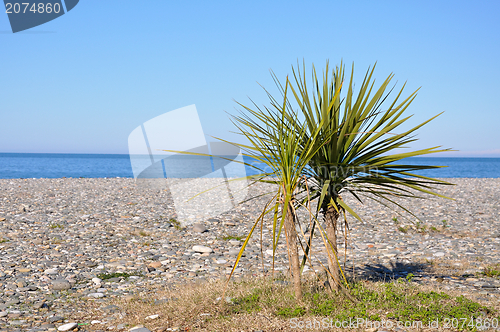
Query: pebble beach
<point x="68" y="242"/>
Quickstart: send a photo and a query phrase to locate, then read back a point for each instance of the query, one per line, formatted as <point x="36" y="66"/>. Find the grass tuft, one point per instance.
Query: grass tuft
<point x="233" y="237"/>
<point x="492" y="271"/>
<point x="259" y="302"/>
<point x="105" y="276"/>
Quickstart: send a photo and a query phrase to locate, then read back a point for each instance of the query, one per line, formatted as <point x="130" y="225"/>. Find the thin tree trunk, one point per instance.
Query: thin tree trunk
<point x="291" y="234"/>
<point x="331" y="216"/>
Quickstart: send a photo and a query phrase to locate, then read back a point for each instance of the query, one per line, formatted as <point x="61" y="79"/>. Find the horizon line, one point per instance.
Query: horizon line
<point x="471" y="154"/>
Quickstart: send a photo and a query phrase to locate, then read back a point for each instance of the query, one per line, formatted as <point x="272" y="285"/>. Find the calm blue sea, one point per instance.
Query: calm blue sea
<point x="46" y="165"/>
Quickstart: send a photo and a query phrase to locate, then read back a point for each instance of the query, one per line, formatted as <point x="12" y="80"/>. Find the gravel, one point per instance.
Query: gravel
<point x="67" y="241"/>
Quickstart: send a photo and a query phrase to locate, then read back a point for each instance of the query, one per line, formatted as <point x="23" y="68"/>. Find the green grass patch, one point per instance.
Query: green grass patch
<point x="492" y="271"/>
<point x="233" y="237"/>
<point x="175" y="223"/>
<point x="53" y="226"/>
<point x="285" y="312"/>
<point x="248" y="303"/>
<point x="3" y="240"/>
<point x="403" y="229"/>
<point x="401" y="300"/>
<point x="106" y="276"/>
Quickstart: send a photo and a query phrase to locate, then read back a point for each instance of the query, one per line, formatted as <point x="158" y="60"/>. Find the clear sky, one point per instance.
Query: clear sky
<point x="83" y="82"/>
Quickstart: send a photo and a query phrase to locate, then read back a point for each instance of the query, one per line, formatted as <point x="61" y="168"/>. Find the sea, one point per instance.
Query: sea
<point x="52" y="165"/>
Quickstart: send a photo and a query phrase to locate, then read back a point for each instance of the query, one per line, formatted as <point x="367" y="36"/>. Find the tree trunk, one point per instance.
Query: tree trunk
<point x="291" y="235"/>
<point x="331" y="216"/>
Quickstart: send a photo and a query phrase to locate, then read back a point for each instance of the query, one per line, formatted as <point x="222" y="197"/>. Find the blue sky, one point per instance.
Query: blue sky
<point x="83" y="82"/>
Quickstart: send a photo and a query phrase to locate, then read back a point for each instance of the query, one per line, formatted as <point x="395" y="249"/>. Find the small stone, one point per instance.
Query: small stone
<point x="3" y="313"/>
<point x="39" y="305"/>
<point x="111" y="308"/>
<point x="439" y="254"/>
<point x="61" y="284"/>
<point x="48" y="326"/>
<point x="202" y="249"/>
<point x="96" y="280"/>
<point x="55" y="319"/>
<point x="12" y="302"/>
<point x="235" y="252"/>
<point x="2" y="219"/>
<point x="139" y="328"/>
<point x="153" y="317"/>
<point x="50" y="271"/>
<point x="24" y="270"/>
<point x="96" y="295"/>
<point x="199" y="228"/>
<point x="155" y="264"/>
<point x="67" y="327"/>
<point x="490" y="286"/>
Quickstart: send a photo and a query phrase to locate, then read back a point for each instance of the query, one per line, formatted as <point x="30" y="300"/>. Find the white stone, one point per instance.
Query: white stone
<point x="221" y="261"/>
<point x="153" y="317"/>
<point x="67" y="327"/>
<point x="96" y="280"/>
<point x="95" y="322"/>
<point x="202" y="249"/>
<point x="199" y="228"/>
<point x="236" y="252"/>
<point x="439" y="254"/>
<point x="50" y="271"/>
<point x="96" y="295"/>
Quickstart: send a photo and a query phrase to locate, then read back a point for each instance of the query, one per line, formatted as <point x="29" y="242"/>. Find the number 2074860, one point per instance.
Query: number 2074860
<point x="35" y="8"/>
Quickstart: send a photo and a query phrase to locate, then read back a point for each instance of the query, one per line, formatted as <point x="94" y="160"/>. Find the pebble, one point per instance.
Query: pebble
<point x="202" y="249"/>
<point x="67" y="327"/>
<point x="51" y="271"/>
<point x="139" y="328"/>
<point x="96" y="280"/>
<point x="61" y="284"/>
<point x="199" y="228"/>
<point x="61" y="239"/>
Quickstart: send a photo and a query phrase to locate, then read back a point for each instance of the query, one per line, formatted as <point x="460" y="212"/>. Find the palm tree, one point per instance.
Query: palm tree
<point x="361" y="155"/>
<point x="329" y="147"/>
<point x="278" y="140"/>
